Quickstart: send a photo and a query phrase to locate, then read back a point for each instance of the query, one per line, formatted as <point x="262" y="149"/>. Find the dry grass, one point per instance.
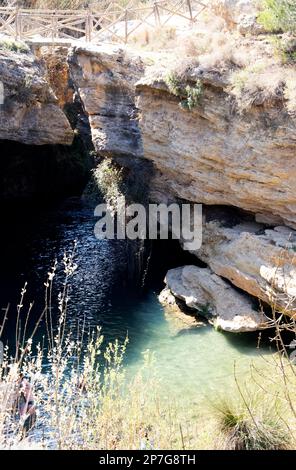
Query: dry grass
<point x="215" y="50"/>
<point x="262" y="414"/>
<point x="257" y="84"/>
<point x="176" y="34"/>
<point x="254" y="70"/>
<point x="82" y="392"/>
<point x="257" y="75"/>
<point x="264" y="83"/>
<point x="254" y="76"/>
<point x="154" y="39"/>
<point x="290" y="92"/>
<point x="265" y="415"/>
<point x="210" y="49"/>
<point x="252" y="427"/>
<point x="87" y="400"/>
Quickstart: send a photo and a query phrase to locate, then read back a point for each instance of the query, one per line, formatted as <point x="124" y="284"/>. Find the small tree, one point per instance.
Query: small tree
<point x="278" y="15"/>
<point x="55" y="4"/>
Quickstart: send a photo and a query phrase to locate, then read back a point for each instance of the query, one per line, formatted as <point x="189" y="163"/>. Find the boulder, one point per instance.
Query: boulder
<point x="258" y="260"/>
<point x="211" y="296"/>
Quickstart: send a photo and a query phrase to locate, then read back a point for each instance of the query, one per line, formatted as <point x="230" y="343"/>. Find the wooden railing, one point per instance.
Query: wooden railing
<point x="115" y="22"/>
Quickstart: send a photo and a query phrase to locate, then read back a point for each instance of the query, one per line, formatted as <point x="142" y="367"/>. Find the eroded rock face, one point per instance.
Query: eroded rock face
<point x="211" y="296"/>
<point x="214" y="156"/>
<point x="105" y="78"/>
<point x="211" y="155"/>
<point x="30" y="114"/>
<point x="259" y="261"/>
<point x="55" y="59"/>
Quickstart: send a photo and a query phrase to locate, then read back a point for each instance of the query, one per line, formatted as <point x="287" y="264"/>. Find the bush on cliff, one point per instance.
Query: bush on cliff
<point x="9" y="44"/>
<point x="278" y="15"/>
<point x="190" y="95"/>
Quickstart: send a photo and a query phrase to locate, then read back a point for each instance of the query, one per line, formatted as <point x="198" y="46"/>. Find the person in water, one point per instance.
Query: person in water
<point x="26" y="404"/>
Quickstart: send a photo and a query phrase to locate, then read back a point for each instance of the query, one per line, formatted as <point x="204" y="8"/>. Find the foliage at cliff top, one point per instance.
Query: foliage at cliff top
<point x="14" y="46"/>
<point x="278" y="15"/>
<point x="190" y="95"/>
<point x="74" y="4"/>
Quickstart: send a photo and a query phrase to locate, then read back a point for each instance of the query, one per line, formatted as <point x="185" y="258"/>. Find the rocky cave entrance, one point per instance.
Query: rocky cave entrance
<point x="42" y="174"/>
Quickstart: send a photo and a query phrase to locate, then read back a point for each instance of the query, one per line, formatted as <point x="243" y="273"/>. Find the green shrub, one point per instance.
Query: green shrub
<point x="190" y="94"/>
<point x="193" y="95"/>
<point x="14" y="46"/>
<point x="278" y="15"/>
<point x="284" y="49"/>
<point x="173" y="84"/>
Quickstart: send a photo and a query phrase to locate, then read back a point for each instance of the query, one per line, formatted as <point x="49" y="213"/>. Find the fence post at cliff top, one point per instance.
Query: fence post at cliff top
<point x="55" y="27"/>
<point x="125" y="26"/>
<point x="18" y="23"/>
<point x="156" y="14"/>
<point x="89" y="26"/>
<point x="190" y="10"/>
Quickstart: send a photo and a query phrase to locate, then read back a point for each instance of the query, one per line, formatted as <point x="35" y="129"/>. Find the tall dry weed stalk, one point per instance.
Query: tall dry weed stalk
<point x="84" y="397"/>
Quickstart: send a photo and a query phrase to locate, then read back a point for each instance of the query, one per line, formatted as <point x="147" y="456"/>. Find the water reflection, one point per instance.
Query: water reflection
<point x="192" y="363"/>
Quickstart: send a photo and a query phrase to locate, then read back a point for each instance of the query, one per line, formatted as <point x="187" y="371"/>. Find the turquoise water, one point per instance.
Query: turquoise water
<point x="192" y="364"/>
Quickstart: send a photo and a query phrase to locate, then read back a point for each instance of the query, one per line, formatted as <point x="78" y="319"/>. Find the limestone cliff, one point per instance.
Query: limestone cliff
<point x="105" y="79"/>
<point x="216" y="156"/>
<point x="211" y="154"/>
<point x="30" y="113"/>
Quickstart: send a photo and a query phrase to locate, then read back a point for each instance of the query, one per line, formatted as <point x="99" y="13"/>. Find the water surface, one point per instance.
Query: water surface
<point x="193" y="364"/>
